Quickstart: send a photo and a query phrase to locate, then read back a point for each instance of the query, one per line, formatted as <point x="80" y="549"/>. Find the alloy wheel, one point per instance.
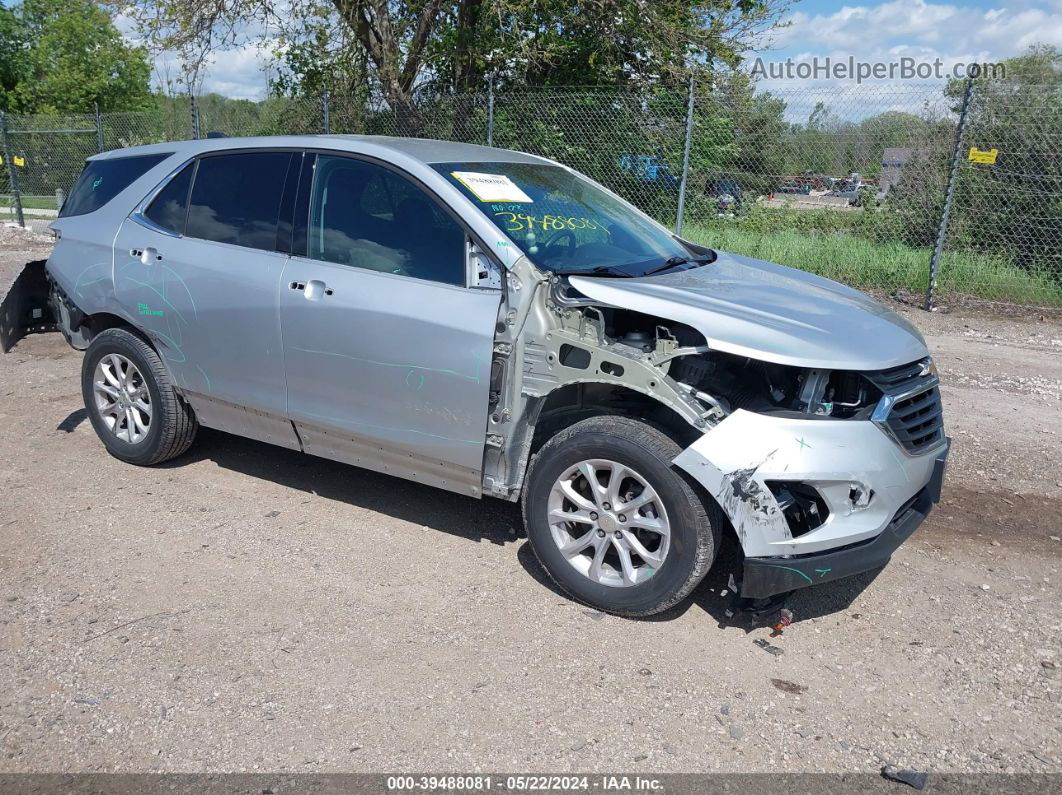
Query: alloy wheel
<point x="609" y="523"/>
<point x="122" y="398"/>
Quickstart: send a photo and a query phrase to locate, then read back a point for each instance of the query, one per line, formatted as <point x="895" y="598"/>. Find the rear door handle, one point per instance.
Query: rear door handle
<point x="146" y="255"/>
<point x="313" y="290"/>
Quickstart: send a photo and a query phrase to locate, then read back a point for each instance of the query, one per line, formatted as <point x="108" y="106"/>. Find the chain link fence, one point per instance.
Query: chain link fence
<point x="892" y="189"/>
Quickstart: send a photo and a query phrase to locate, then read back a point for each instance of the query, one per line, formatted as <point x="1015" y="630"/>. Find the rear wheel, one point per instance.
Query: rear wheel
<point x="131" y="403"/>
<point x="613" y="522"/>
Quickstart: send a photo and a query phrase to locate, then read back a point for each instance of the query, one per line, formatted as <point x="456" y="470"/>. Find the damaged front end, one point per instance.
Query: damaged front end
<point x="822" y="471"/>
<point x="826" y="475"/>
<point x="813" y="500"/>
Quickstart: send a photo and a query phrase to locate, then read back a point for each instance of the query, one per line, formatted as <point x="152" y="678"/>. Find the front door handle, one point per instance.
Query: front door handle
<point x="313" y="290"/>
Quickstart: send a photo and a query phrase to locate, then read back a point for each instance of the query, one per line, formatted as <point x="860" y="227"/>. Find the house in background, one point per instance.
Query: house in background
<point x="892" y="162"/>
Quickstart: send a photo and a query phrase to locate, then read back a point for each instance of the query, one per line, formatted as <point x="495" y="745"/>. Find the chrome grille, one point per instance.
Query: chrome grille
<point x="902" y="378"/>
<point x="910" y="410"/>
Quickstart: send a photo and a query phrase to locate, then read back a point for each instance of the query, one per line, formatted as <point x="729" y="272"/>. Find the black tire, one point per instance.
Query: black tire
<point x="695" y="520"/>
<point x="173" y="424"/>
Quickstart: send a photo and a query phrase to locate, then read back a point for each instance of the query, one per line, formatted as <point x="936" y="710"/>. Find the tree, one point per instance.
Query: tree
<point x="453" y="45"/>
<point x="67" y="56"/>
<point x="13" y="62"/>
<point x="325" y="58"/>
<point x="757" y="158"/>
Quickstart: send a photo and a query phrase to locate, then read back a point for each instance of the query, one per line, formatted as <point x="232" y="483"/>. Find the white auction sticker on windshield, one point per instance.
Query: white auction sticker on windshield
<point x="491" y="187"/>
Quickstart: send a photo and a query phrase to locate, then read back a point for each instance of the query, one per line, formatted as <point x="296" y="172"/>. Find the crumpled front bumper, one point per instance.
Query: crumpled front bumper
<point x="841" y="460"/>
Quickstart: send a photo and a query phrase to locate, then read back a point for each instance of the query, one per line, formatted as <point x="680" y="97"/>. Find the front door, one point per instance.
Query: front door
<point x="387" y="351"/>
<point x="197" y="270"/>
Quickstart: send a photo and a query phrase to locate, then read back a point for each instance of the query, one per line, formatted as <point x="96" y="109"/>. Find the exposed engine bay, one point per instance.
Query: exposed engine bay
<point x="726" y="382"/>
<point x="563" y="355"/>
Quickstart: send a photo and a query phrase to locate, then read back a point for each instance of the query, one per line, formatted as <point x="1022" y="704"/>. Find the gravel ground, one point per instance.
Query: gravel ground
<point x="249" y="608"/>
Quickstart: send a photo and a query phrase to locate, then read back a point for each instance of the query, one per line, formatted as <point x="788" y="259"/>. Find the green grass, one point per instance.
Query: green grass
<point x="29" y="202"/>
<point x="862" y="263"/>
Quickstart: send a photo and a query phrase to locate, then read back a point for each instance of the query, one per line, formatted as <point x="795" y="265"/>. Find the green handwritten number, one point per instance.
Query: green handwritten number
<point x="518" y="222"/>
<point x="511" y="224"/>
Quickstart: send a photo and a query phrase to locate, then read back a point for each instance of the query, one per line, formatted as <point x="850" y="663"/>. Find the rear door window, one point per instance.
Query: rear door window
<point x="169" y="208"/>
<point x="102" y="180"/>
<point x="236" y="198"/>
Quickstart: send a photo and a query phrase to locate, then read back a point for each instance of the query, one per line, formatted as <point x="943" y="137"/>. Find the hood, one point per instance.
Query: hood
<point x="769" y="312"/>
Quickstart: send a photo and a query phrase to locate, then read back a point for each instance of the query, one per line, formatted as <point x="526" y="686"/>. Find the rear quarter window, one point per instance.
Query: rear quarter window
<point x="170" y="207"/>
<point x="102" y="180"/>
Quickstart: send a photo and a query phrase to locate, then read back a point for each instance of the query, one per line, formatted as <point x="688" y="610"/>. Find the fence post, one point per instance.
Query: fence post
<point x="490" y="112"/>
<point x="949" y="195"/>
<point x="16" y="197"/>
<point x="99" y="128"/>
<point x="195" y="119"/>
<point x="685" y="163"/>
<point x="326" y="119"/>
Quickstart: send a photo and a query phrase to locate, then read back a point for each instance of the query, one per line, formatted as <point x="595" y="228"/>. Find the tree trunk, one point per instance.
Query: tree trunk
<point x="467" y="74"/>
<point x="371" y="22"/>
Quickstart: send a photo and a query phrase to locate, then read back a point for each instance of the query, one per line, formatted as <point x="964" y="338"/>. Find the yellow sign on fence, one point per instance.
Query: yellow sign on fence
<point x="985" y="156"/>
<point x="19" y="161"/>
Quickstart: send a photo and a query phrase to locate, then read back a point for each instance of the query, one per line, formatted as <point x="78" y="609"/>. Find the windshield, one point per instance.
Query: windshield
<point x="562" y="221"/>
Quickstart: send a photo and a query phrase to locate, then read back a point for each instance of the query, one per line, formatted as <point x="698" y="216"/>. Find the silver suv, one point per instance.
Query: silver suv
<point x="496" y="324"/>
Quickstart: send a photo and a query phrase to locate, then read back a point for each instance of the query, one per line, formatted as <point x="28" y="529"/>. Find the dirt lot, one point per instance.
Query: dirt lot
<point x="249" y="608"/>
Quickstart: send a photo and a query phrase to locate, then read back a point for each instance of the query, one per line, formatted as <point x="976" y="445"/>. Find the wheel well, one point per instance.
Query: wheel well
<point x="102" y="321"/>
<point x="574" y="402"/>
<point x="570" y="404"/>
<point x="88" y="327"/>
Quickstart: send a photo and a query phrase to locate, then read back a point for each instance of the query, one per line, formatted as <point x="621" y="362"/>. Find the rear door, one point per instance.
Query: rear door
<point x="387" y="351"/>
<point x="198" y="270"/>
<point x="82" y="263"/>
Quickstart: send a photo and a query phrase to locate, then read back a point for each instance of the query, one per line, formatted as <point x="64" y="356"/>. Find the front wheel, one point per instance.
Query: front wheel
<point x="613" y="522"/>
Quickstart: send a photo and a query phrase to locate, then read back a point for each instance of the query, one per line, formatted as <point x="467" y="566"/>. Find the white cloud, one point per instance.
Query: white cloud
<point x="239" y="72"/>
<point x="889" y="31"/>
<point x="943" y="28"/>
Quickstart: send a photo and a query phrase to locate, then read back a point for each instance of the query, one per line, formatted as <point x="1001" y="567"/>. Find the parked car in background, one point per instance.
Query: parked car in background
<point x="652" y="169"/>
<point x="847" y="188"/>
<point x="729" y="197"/>
<point x="805" y="183"/>
<point x="794" y="186"/>
<point x="495" y="324"/>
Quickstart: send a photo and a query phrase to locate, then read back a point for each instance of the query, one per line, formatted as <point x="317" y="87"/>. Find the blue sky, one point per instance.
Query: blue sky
<point x="885" y="30"/>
